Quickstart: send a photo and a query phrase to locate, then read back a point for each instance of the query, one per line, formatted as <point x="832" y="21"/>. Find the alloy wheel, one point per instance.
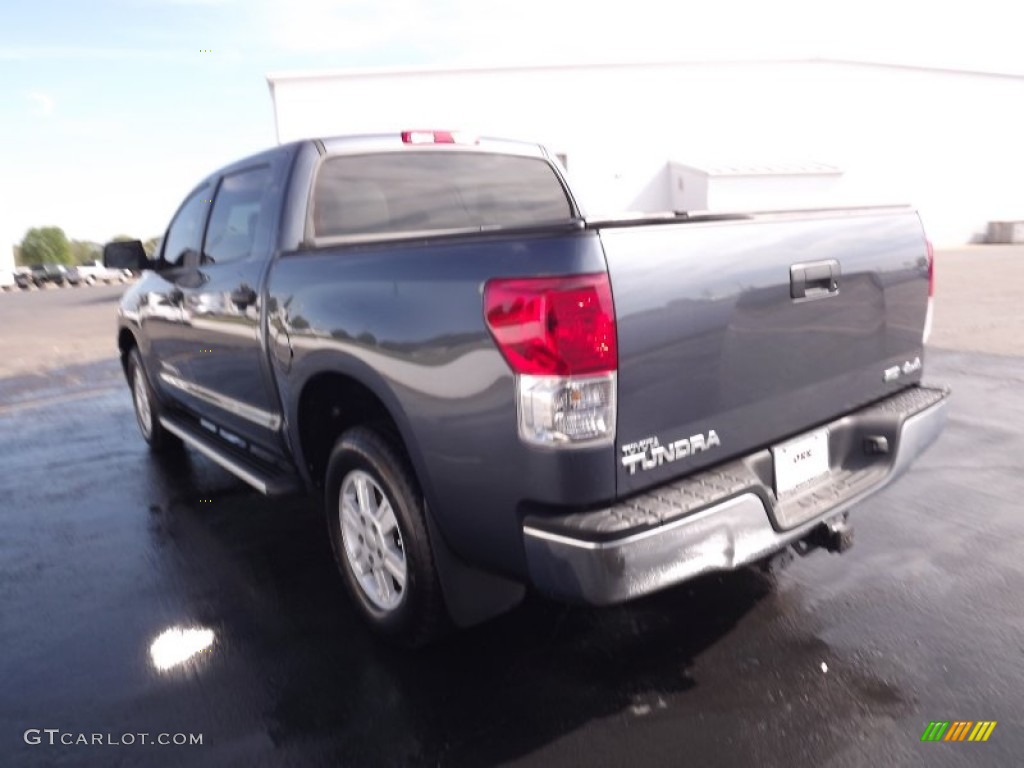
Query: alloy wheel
<point x="372" y="540"/>
<point x="143" y="411"/>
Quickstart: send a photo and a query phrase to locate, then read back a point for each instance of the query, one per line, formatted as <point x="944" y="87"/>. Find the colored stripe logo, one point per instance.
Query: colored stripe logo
<point x="958" y="730"/>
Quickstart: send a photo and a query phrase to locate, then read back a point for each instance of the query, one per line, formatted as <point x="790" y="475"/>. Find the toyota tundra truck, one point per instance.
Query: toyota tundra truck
<point x="490" y="390"/>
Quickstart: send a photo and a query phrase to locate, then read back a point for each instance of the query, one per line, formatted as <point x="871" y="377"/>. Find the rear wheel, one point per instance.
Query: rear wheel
<point x="147" y="413"/>
<point x="376" y="520"/>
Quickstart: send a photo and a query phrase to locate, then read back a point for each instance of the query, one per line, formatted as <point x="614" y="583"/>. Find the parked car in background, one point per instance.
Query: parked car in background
<point x="7" y="279"/>
<point x="97" y="273"/>
<point x="74" y="276"/>
<point x="23" y="277"/>
<point x="49" y="273"/>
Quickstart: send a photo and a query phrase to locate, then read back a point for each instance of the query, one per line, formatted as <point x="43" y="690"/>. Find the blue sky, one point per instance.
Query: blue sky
<point x="110" y="111"/>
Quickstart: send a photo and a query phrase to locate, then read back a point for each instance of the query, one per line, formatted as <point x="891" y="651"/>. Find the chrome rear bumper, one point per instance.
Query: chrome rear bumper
<point x="726" y="517"/>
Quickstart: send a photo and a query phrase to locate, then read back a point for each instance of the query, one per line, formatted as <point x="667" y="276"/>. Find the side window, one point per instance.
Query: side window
<point x="186" y="230"/>
<point x="237" y="210"/>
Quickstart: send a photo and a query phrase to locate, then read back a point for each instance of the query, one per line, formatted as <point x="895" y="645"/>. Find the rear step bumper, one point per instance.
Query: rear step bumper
<point x="727" y="517"/>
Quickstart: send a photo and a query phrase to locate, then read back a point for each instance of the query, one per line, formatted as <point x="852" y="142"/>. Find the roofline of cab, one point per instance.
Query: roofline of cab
<point x="392" y="142"/>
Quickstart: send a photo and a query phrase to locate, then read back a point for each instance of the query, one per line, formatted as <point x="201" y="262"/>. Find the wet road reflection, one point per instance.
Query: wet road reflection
<point x="177" y="645"/>
<point x="145" y="596"/>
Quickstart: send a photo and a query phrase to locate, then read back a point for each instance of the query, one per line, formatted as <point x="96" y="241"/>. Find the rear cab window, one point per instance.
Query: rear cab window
<point x="393" y="194"/>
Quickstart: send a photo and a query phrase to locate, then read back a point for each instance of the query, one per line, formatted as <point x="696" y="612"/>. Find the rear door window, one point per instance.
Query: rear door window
<point x="404" y="192"/>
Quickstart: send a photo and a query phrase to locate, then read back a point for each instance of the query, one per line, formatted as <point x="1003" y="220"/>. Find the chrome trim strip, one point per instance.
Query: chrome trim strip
<point x="211" y="453"/>
<point x="271" y="421"/>
<point x="171" y="369"/>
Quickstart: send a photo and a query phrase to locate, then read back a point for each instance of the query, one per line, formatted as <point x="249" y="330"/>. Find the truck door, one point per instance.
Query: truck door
<point x="166" y="351"/>
<point x="227" y="373"/>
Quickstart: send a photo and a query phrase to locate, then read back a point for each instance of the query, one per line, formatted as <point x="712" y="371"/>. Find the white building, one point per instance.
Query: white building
<point x="777" y="133"/>
<point x="6" y="256"/>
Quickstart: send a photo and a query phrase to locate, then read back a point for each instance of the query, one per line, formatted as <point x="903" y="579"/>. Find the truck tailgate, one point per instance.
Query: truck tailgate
<point x="734" y="335"/>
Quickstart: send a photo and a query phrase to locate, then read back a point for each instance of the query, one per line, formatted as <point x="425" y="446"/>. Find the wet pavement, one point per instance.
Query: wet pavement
<point x="837" y="660"/>
<point x="104" y="548"/>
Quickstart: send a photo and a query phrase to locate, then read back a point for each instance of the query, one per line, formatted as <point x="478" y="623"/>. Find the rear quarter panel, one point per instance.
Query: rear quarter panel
<point x="407" y="322"/>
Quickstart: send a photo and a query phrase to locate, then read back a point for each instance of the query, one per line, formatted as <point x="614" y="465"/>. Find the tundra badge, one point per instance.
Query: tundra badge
<point x="650" y="453"/>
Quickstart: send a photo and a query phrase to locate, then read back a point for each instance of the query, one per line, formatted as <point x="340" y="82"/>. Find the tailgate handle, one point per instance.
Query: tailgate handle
<point x="814" y="279"/>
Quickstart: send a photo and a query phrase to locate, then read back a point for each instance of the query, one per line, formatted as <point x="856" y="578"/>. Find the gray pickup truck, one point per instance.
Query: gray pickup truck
<point x="489" y="389"/>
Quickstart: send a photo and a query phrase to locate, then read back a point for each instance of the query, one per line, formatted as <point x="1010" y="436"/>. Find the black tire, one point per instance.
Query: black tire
<point x="419" y="615"/>
<point x="147" y="413"/>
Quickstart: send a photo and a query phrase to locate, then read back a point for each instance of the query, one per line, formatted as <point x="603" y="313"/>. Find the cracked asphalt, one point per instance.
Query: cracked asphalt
<point x="837" y="660"/>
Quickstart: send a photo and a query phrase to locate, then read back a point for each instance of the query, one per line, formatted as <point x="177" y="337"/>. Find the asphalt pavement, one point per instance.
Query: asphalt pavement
<point x="53" y="328"/>
<point x="837" y="660"/>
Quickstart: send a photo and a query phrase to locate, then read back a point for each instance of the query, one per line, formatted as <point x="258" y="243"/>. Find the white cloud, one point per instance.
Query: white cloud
<point x="482" y="32"/>
<point x="344" y="25"/>
<point x="44" y="103"/>
<point x="36" y="52"/>
<point x="51" y="52"/>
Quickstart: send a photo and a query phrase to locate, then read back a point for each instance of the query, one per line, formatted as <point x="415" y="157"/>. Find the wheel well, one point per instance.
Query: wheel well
<point x="331" y="403"/>
<point x="126" y="343"/>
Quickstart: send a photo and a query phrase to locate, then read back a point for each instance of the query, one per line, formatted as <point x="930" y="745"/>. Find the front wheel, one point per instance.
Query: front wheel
<point x="376" y="520"/>
<point x="147" y="413"/>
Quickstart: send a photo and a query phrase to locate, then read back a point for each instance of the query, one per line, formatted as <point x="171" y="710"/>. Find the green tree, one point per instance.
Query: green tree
<point x="85" y="252"/>
<point x="150" y="246"/>
<point x="122" y="238"/>
<point x="45" y="245"/>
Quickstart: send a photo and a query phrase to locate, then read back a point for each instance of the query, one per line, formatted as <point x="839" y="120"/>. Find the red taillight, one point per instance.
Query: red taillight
<point x="931" y="293"/>
<point x="931" y="269"/>
<point x="556" y="326"/>
<point x="437" y="137"/>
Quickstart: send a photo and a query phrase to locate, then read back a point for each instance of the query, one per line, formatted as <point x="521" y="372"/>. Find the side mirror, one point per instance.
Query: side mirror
<point x="126" y="254"/>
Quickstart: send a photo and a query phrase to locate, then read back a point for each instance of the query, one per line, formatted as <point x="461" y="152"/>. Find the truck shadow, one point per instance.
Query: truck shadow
<point x="480" y="697"/>
<point x="113" y="298"/>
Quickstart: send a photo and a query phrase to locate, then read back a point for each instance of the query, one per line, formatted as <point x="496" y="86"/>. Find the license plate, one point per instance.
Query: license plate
<point x="800" y="461"/>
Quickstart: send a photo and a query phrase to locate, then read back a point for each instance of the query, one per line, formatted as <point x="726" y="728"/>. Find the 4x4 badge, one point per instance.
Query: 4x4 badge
<point x="909" y="367"/>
